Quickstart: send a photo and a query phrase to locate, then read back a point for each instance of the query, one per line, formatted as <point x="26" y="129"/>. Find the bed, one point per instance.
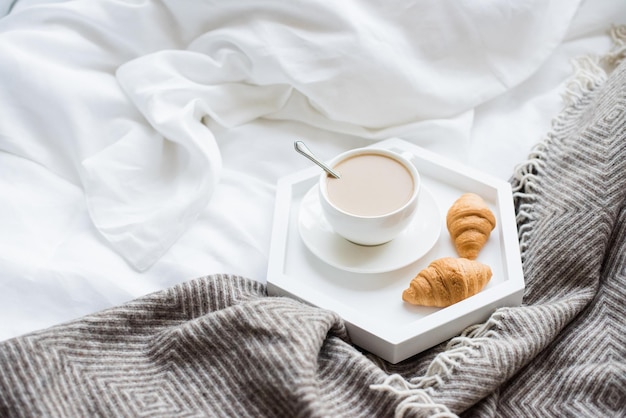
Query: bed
<point x="141" y="143"/>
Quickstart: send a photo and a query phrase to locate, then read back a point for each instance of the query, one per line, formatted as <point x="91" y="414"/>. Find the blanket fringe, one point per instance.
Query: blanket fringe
<point x="459" y="349"/>
<point x="415" y="399"/>
<point x="588" y="75"/>
<point x="618" y="51"/>
<point x="590" y="72"/>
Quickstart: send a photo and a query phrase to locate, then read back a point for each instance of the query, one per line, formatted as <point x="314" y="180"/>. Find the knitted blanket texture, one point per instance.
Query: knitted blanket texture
<point x="219" y="346"/>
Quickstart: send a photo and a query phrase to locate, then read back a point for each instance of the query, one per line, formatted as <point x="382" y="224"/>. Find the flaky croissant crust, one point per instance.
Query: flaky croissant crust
<point x="470" y="222"/>
<point x="447" y="281"/>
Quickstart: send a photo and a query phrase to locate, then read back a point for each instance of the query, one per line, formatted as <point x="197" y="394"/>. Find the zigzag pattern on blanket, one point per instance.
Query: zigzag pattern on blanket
<point x="214" y="346"/>
<point x="573" y="229"/>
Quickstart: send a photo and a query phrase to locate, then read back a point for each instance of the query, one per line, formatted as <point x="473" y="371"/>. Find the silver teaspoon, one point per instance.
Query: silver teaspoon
<point x="304" y="150"/>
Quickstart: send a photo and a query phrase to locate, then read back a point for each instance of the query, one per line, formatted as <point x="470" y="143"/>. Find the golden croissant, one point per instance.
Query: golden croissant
<point x="470" y="222"/>
<point x="447" y="281"/>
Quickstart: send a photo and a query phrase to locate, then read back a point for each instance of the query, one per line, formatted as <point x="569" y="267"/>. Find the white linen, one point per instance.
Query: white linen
<point x="157" y="131"/>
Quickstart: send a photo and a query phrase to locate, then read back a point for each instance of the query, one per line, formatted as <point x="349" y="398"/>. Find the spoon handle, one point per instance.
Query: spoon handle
<point x="304" y="150"/>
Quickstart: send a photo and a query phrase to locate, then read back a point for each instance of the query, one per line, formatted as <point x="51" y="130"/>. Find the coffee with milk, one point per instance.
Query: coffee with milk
<point x="371" y="184"/>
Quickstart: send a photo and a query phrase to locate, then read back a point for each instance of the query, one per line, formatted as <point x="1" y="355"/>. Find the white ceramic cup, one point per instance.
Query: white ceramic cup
<point x="371" y="229"/>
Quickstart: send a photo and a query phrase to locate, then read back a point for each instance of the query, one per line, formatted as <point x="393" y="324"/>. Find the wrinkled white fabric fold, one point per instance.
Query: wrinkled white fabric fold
<point x="128" y="87"/>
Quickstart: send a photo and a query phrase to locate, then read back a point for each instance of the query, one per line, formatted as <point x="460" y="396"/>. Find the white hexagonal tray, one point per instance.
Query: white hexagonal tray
<point x="371" y="303"/>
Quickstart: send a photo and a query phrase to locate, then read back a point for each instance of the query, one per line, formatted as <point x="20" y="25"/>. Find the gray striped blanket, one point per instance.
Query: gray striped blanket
<point x="219" y="346"/>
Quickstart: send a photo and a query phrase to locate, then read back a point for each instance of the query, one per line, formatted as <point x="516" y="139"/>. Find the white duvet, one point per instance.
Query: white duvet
<point x="141" y="141"/>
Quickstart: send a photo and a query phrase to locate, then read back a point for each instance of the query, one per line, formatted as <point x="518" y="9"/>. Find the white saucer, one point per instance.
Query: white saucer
<point x="413" y="243"/>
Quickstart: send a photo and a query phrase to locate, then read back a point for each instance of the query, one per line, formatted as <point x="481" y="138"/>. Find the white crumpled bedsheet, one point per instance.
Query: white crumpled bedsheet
<point x="141" y="141"/>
